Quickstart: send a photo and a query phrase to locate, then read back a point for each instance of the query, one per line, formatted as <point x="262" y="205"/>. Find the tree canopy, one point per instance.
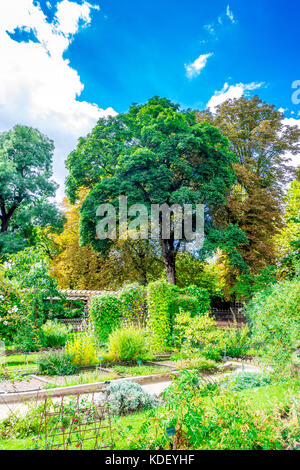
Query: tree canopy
<point x="260" y="139"/>
<point x="26" y="187"/>
<point x="155" y="154"/>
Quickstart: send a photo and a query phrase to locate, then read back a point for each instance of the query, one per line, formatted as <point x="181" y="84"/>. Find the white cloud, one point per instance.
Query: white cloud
<point x="194" y="69"/>
<point x="231" y="92"/>
<point x="38" y="87"/>
<point x="229" y="14"/>
<point x="69" y="13"/>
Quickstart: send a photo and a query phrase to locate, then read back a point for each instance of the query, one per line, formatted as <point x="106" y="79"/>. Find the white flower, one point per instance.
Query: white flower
<point x="5" y="322"/>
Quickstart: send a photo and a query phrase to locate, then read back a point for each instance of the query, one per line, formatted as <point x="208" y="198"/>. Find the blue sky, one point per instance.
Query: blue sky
<point x="136" y="49"/>
<point x="67" y="62"/>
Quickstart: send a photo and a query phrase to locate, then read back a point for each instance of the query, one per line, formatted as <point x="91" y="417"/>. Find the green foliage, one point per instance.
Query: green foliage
<point x="105" y="314"/>
<point x="185" y="303"/>
<point x="12" y="307"/>
<point x="164" y="302"/>
<point x="133" y="298"/>
<point x="30" y="269"/>
<point x="249" y="284"/>
<point x="174" y="159"/>
<point x="199" y="333"/>
<point x="236" y="341"/>
<point x="199" y="363"/>
<point x="192" y="271"/>
<point x="247" y="380"/>
<point x="82" y="349"/>
<point x="274" y="317"/>
<point x="125" y="397"/>
<point x="160" y="295"/>
<point x="25" y="186"/>
<point x="54" y="334"/>
<point x="206" y="417"/>
<point x="202" y="296"/>
<point x="128" y="344"/>
<point x="56" y="363"/>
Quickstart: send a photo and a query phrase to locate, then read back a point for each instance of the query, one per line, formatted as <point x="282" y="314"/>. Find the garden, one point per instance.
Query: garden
<point x="146" y="359"/>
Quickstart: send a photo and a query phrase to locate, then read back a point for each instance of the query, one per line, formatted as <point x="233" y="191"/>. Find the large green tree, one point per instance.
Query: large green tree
<point x="154" y="154"/>
<point x="26" y="187"/>
<point x="260" y="139"/>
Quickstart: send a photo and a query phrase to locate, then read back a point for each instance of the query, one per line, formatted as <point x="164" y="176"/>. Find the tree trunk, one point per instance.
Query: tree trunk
<point x="169" y="255"/>
<point x="6" y="216"/>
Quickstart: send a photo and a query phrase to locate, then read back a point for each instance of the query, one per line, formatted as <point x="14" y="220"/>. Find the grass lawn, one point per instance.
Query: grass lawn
<point x="266" y="398"/>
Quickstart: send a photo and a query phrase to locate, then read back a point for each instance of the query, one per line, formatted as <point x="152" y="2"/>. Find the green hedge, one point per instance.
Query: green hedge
<point x="202" y="296"/>
<point x="133" y="298"/>
<point x="105" y="314"/>
<point x="160" y="294"/>
<point x="164" y="302"/>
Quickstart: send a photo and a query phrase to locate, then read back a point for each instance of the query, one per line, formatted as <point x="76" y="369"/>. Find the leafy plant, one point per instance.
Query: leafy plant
<point x="274" y="317"/>
<point x="160" y="294"/>
<point x="202" y="296"/>
<point x="55" y="334"/>
<point x="133" y="298"/>
<point x="56" y="363"/>
<point x="105" y="314"/>
<point x="82" y="349"/>
<point x="125" y="396"/>
<point x="247" y="380"/>
<point x="236" y="341"/>
<point x="200" y="363"/>
<point x="128" y="344"/>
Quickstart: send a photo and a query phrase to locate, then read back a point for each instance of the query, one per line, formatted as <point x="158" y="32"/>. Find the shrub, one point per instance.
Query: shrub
<point x="20" y="315"/>
<point x="55" y="334"/>
<point x="125" y="396"/>
<point x="127" y="344"/>
<point x="222" y="423"/>
<point x="186" y="303"/>
<point x="202" y="296"/>
<point x="105" y="314"/>
<point x="82" y="349"/>
<point x="201" y="333"/>
<point x="57" y="363"/>
<point x="274" y="318"/>
<point x="247" y="380"/>
<point x="133" y="298"/>
<point x="236" y="341"/>
<point x="160" y="294"/>
<point x="200" y="363"/>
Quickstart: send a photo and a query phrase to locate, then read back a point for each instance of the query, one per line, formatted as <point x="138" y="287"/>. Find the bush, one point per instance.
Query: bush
<point x="160" y="294"/>
<point x="82" y="349"/>
<point x="55" y="334"/>
<point x="125" y="396"/>
<point x="202" y="296"/>
<point x="274" y="318"/>
<point x="247" y="380"/>
<point x="57" y="363"/>
<point x="133" y="298"/>
<point x="199" y="363"/>
<point x="164" y="302"/>
<point x="105" y="314"/>
<point x="236" y="341"/>
<point x="185" y="303"/>
<point x="127" y="344"/>
<point x="200" y="333"/>
<point x="20" y="315"/>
